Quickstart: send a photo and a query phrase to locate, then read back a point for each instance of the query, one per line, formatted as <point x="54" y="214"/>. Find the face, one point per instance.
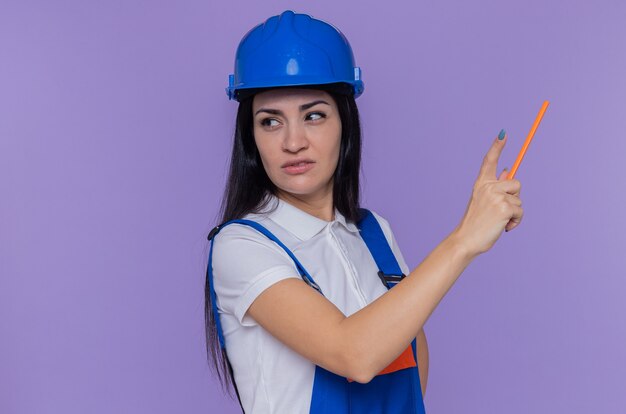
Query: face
<point x="298" y="135"/>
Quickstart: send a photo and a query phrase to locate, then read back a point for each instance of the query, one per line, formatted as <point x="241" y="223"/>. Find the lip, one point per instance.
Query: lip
<point x="292" y="167"/>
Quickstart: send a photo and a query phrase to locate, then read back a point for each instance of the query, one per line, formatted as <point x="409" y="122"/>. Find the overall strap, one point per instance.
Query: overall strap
<point x="371" y="232"/>
<point x="303" y="272"/>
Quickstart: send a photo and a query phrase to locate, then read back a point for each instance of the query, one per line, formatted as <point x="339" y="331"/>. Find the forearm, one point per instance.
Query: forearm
<point x="379" y="332"/>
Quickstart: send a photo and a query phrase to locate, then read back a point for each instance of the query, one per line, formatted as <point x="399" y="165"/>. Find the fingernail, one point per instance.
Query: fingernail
<point x="501" y="135"/>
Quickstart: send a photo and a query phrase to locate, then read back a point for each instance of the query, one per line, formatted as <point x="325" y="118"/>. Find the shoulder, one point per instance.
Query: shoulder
<point x="383" y="221"/>
<point x="384" y="225"/>
<point x="234" y="235"/>
<point x="233" y="231"/>
<point x="391" y="239"/>
<point x="237" y="243"/>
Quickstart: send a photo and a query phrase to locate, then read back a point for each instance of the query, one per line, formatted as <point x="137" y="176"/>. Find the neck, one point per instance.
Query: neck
<point x="319" y="205"/>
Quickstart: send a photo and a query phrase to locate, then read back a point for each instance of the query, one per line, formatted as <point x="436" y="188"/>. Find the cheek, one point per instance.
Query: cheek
<point x="264" y="150"/>
<point x="269" y="149"/>
<point x="335" y="148"/>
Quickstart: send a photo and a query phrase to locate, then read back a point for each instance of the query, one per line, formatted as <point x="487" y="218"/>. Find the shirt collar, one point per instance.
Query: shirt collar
<point x="300" y="223"/>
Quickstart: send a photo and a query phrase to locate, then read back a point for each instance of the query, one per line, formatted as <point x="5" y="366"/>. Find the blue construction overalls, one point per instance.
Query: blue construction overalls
<point x="397" y="389"/>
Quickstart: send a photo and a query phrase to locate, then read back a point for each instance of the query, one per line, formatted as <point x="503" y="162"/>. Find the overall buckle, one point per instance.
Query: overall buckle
<point x="213" y="232"/>
<point x="390" y="278"/>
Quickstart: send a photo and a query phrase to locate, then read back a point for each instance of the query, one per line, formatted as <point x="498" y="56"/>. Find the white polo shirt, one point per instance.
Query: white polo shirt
<point x="270" y="376"/>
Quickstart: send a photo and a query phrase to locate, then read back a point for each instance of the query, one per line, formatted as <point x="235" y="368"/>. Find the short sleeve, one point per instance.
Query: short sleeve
<point x="245" y="263"/>
<point x="384" y="224"/>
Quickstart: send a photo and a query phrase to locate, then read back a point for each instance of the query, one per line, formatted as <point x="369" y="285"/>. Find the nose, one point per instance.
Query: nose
<point x="295" y="138"/>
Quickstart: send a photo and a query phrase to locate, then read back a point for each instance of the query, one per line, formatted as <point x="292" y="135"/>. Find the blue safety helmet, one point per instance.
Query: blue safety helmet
<point x="294" y="49"/>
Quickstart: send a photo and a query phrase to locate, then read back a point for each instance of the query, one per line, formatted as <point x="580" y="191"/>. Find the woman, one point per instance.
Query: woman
<point x="310" y="305"/>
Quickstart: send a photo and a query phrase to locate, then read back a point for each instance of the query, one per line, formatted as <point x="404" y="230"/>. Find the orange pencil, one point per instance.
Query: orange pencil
<point x="529" y="138"/>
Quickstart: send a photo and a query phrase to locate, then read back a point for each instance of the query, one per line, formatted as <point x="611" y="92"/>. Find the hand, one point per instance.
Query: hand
<point x="494" y="206"/>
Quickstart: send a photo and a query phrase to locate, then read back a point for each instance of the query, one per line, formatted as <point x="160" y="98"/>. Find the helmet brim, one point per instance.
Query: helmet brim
<point x="337" y="87"/>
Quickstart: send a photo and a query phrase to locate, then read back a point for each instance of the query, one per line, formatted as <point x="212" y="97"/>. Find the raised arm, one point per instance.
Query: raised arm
<point x="362" y="345"/>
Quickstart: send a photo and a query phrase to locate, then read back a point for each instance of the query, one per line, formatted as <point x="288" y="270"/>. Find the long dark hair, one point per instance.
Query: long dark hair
<point x="248" y="185"/>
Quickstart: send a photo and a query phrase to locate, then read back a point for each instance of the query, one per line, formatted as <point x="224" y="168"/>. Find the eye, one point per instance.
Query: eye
<point x="267" y="122"/>
<point x="316" y="115"/>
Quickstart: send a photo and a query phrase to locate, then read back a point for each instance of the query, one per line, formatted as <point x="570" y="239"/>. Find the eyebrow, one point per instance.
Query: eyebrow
<point x="303" y="107"/>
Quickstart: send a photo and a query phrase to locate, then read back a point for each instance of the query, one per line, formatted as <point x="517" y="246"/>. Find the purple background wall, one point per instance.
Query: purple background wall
<point x="114" y="141"/>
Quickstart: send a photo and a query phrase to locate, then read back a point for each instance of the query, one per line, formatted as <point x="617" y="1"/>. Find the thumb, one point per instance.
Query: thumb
<point x="503" y="174"/>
